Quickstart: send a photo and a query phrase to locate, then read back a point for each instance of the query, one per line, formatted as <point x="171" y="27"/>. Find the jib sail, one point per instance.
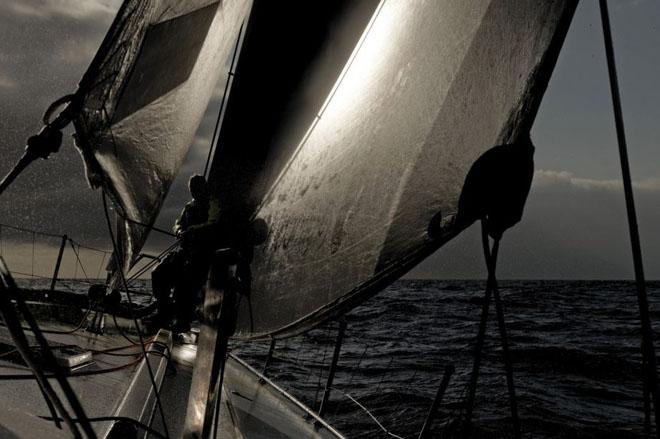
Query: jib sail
<point x="349" y="182"/>
<point x="144" y="96"/>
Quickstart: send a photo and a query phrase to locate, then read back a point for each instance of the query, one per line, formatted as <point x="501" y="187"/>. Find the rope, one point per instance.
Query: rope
<point x="49" y="331"/>
<point x="78" y="261"/>
<point x="490" y="255"/>
<point x="75" y="245"/>
<point x="366" y="410"/>
<point x="11" y="319"/>
<point x="118" y="264"/>
<point x="153" y="262"/>
<point x="22" y="229"/>
<point x="145" y="225"/>
<point x="86" y="247"/>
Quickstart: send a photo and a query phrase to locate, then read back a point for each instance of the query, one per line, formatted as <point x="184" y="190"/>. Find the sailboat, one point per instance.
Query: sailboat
<point x="350" y="128"/>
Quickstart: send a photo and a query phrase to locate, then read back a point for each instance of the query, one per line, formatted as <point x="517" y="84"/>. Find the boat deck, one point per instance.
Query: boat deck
<point x="115" y="383"/>
<point x="252" y="407"/>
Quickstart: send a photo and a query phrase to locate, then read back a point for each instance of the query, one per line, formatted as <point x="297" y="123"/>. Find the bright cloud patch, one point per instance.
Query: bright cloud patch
<point x="545" y="177"/>
<point x="6" y="81"/>
<point x="67" y="8"/>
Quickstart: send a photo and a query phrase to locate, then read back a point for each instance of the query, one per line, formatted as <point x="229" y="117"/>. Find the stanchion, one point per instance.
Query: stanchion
<point x="426" y="428"/>
<point x="56" y="273"/>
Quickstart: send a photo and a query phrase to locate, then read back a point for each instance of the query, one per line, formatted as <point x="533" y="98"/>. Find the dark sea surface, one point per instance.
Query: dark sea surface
<point x="575" y="347"/>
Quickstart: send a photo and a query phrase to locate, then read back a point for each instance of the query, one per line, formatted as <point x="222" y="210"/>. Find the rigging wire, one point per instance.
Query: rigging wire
<point x="230" y="75"/>
<point x="78" y="261"/>
<point x="25" y="230"/>
<point x="357" y="365"/>
<point x="98" y="273"/>
<point x="490" y="255"/>
<point x="153" y="262"/>
<point x="368" y="412"/>
<point x="648" y="349"/>
<point x="325" y="352"/>
<point x="13" y="323"/>
<point x="119" y="268"/>
<point x="33" y="245"/>
<point x="120" y="213"/>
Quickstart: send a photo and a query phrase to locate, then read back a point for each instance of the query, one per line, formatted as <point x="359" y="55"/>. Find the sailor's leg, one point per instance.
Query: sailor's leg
<point x="162" y="280"/>
<point x="186" y="289"/>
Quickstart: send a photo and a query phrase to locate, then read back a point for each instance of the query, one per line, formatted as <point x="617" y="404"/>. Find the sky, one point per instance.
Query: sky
<point x="574" y="225"/>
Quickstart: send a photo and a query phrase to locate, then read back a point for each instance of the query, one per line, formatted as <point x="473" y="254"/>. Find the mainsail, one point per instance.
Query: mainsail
<point x="430" y="86"/>
<point x="143" y="98"/>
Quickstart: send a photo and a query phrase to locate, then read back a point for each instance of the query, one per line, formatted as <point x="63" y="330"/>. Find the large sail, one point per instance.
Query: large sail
<point x="144" y="96"/>
<point x="430" y="86"/>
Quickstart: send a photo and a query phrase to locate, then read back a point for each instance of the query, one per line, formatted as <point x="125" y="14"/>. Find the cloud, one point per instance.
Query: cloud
<point x="632" y="3"/>
<point x="65" y="8"/>
<point x="75" y="52"/>
<point x="6" y="82"/>
<point x="545" y="177"/>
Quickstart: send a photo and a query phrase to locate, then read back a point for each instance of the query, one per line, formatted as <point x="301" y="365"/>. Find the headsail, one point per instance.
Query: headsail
<point x="430" y="87"/>
<point x="144" y="96"/>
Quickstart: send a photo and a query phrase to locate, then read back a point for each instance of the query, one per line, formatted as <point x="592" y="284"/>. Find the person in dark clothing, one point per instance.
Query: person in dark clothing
<point x="178" y="278"/>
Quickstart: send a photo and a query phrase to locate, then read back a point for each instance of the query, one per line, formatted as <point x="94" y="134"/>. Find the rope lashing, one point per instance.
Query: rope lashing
<point x="490" y="254"/>
<point x="47" y="141"/>
<point x="124" y="285"/>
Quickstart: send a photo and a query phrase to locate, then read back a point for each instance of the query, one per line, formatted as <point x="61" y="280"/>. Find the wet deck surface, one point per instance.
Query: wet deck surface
<point x="115" y="383"/>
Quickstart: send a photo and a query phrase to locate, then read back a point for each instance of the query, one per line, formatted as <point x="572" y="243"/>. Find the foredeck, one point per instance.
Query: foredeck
<point x="116" y="383"/>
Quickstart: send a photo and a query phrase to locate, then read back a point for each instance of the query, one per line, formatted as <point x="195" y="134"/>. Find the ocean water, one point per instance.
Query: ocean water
<point x="575" y="347"/>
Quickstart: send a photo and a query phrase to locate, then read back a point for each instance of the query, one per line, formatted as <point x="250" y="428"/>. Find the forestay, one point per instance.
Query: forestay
<point x="430" y="87"/>
<point x="144" y="96"/>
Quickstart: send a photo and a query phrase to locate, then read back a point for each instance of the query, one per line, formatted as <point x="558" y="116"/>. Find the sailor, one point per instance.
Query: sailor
<point x="178" y="278"/>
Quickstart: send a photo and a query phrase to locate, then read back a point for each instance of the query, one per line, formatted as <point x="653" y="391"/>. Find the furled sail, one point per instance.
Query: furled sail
<point x="144" y="96"/>
<point x="429" y="87"/>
